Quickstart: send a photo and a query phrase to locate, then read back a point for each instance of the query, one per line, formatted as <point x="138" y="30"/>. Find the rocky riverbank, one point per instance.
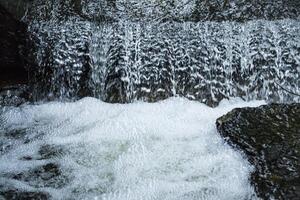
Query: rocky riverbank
<point x="270" y="138"/>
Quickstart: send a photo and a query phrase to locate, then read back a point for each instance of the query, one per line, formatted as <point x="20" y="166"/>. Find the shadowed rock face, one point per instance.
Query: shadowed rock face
<point x="15" y="59"/>
<point x="12" y="42"/>
<point x="17" y="8"/>
<point x="270" y="138"/>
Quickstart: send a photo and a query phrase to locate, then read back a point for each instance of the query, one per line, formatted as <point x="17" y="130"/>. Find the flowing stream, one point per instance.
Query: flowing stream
<point x="131" y="84"/>
<point x="94" y="150"/>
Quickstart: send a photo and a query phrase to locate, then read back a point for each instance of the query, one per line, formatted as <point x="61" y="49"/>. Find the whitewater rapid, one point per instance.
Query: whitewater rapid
<point x="169" y="150"/>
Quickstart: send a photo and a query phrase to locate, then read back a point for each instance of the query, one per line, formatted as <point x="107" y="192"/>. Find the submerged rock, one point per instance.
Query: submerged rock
<point x="270" y="138"/>
<point x="14" y="95"/>
<point x="15" y="194"/>
<point x="49" y="175"/>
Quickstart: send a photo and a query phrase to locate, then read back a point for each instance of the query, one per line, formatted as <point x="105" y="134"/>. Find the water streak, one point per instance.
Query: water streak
<point x="209" y="61"/>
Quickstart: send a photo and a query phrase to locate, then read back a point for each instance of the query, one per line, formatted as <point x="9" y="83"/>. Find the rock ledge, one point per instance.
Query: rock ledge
<point x="270" y="138"/>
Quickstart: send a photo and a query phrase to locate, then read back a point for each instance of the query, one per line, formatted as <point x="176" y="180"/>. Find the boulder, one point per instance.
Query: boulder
<point x="269" y="136"/>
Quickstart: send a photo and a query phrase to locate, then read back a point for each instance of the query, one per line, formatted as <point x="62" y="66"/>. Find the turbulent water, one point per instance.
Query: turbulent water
<point x="135" y="52"/>
<point x="205" y="61"/>
<point x="124" y="59"/>
<point x="201" y="61"/>
<point x="93" y="150"/>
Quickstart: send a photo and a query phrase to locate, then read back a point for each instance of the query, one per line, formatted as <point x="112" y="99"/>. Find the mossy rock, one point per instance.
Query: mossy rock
<point x="270" y="138"/>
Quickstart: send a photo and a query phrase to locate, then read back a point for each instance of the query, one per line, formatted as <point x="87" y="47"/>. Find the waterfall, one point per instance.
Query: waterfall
<point x="126" y="61"/>
<point x="127" y="54"/>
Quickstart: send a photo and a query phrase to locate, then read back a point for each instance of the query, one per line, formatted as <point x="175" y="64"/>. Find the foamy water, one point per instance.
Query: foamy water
<point x="168" y="150"/>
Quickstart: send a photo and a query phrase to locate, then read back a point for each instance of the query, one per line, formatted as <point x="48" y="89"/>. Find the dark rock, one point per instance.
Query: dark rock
<point x="15" y="194"/>
<point x="49" y="175"/>
<point x="198" y="10"/>
<point x="14" y="95"/>
<point x="12" y="42"/>
<point x="244" y="10"/>
<point x="16" y="134"/>
<point x="12" y="193"/>
<point x="17" y="8"/>
<point x="22" y="135"/>
<point x="50" y="151"/>
<point x="270" y="138"/>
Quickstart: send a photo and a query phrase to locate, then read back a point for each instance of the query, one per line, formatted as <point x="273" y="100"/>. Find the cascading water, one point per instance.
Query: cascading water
<point x="201" y="61"/>
<point x="205" y="61"/>
<point x="137" y="52"/>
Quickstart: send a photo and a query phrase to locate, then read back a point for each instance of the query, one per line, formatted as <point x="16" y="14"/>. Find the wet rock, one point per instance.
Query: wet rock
<point x="15" y="194"/>
<point x="49" y="175"/>
<point x="270" y="138"/>
<point x="170" y="10"/>
<point x="16" y="134"/>
<point x="21" y="135"/>
<point x="12" y="42"/>
<point x="50" y="151"/>
<point x="17" y="8"/>
<point x="244" y="10"/>
<point x="186" y="10"/>
<point x="14" y="95"/>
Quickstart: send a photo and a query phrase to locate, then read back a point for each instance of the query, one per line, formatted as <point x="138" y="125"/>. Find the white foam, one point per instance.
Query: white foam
<point x="168" y="150"/>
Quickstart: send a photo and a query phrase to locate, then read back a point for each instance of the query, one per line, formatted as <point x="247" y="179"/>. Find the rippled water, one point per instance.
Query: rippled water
<point x="93" y="150"/>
